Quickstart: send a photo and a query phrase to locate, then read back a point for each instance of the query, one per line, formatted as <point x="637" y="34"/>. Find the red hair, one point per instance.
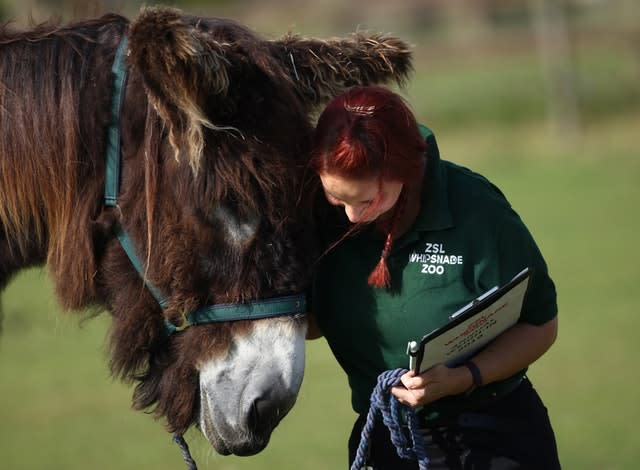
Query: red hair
<point x="370" y="131"/>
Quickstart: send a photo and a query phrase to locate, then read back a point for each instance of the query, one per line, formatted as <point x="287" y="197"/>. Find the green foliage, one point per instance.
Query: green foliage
<point x="510" y="89"/>
<point x="500" y="90"/>
<point x="608" y="80"/>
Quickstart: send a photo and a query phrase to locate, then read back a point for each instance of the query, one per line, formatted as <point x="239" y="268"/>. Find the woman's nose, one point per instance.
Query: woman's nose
<point x="353" y="213"/>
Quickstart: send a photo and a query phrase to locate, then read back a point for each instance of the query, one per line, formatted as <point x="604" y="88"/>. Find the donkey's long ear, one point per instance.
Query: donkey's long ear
<point x="175" y="61"/>
<point x="323" y="68"/>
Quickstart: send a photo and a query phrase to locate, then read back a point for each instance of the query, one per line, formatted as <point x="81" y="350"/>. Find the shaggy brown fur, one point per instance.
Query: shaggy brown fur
<point x="213" y="117"/>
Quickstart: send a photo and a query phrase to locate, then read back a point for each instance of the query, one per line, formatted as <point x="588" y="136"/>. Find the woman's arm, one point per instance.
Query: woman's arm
<point x="512" y="351"/>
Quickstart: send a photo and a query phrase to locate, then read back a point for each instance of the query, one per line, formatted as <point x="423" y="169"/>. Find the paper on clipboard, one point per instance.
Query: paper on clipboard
<point x="471" y="327"/>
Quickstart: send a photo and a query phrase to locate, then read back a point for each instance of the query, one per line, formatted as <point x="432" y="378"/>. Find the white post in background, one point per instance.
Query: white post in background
<point x="554" y="45"/>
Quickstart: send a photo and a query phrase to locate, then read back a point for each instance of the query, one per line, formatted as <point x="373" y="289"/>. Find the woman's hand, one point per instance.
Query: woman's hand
<point x="438" y="382"/>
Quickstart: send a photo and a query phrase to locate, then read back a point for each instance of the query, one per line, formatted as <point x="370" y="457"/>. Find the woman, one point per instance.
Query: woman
<point x="409" y="239"/>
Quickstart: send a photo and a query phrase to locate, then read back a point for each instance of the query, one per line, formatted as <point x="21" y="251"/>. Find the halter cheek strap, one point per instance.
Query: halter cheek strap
<point x="273" y="307"/>
<point x="112" y="170"/>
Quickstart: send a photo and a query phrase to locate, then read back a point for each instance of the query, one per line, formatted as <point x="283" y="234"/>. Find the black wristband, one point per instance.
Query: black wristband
<point x="475" y="374"/>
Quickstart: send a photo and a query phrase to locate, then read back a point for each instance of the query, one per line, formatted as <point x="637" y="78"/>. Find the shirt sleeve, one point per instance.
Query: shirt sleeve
<point x="517" y="250"/>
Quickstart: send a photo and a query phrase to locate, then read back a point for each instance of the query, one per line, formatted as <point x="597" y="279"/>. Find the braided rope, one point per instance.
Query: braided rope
<point x="184" y="448"/>
<point x="392" y="413"/>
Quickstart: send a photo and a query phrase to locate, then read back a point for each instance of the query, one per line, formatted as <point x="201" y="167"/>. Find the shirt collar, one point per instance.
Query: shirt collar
<point x="435" y="213"/>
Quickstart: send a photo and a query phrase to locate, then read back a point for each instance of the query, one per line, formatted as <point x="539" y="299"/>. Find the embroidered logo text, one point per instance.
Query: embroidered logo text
<point x="434" y="259"/>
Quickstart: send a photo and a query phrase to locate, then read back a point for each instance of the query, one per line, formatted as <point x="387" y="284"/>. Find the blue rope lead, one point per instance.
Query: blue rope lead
<point x="184" y="448"/>
<point x="391" y="410"/>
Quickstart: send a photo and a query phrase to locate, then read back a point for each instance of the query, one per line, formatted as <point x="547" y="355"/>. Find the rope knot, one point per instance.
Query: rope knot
<point x="393" y="412"/>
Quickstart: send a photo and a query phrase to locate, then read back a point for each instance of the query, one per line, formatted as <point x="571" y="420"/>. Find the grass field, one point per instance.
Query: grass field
<point x="59" y="408"/>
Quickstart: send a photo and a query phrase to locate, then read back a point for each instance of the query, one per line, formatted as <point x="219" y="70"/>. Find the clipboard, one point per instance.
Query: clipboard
<point x="471" y="327"/>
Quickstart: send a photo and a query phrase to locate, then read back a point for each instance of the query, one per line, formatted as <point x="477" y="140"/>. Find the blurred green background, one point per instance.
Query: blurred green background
<point x="541" y="96"/>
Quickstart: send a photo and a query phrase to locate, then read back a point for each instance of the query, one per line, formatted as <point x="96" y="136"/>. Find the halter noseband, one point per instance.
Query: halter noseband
<point x="273" y="307"/>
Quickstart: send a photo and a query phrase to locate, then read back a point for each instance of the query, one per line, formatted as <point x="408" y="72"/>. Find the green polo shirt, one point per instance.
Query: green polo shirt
<point x="465" y="240"/>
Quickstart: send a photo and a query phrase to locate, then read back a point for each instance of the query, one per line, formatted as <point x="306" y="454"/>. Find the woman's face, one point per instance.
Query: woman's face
<point x="356" y="195"/>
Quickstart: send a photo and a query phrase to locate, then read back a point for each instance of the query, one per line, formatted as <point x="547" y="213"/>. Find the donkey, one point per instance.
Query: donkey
<point x="157" y="168"/>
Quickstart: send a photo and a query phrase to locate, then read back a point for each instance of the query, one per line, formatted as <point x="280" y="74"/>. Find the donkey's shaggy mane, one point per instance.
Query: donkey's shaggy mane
<point x="51" y="147"/>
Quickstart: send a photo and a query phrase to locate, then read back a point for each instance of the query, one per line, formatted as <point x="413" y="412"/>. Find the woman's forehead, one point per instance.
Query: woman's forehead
<point x="350" y="189"/>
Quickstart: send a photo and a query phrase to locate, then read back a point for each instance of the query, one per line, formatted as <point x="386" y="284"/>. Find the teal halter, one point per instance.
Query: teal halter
<point x="277" y="306"/>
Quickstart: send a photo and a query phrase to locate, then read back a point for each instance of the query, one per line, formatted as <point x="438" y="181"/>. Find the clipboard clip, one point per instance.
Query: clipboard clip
<point x="473" y="303"/>
<point x="413" y="347"/>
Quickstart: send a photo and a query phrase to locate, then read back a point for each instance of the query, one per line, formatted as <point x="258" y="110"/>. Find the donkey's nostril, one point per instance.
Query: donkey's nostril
<point x="264" y="414"/>
<point x="253" y="419"/>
